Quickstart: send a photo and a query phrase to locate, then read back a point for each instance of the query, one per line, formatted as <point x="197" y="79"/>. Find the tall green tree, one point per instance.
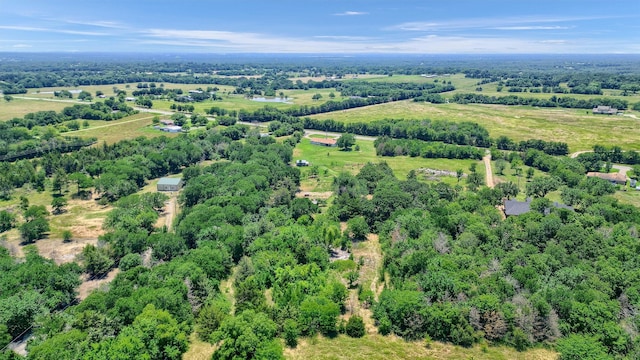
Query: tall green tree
<point x="346" y="141"/>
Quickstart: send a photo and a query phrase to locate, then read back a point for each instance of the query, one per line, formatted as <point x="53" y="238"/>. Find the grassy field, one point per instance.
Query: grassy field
<point x="47" y="92"/>
<point x="129" y="127"/>
<point x="579" y="128"/>
<point x="332" y="161"/>
<point x="20" y="107"/>
<point x="469" y="85"/>
<point x="373" y="347"/>
<point x="239" y="102"/>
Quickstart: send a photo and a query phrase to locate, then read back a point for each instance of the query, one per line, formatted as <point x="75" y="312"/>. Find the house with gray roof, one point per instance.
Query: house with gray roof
<point x="515" y="207"/>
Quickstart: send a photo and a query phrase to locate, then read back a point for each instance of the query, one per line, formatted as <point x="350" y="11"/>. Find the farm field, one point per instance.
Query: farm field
<point x="47" y="92"/>
<point x="240" y="102"/>
<point x="129" y="127"/>
<point x="469" y="85"/>
<point x="20" y="107"/>
<point x="578" y="128"/>
<point x="330" y="161"/>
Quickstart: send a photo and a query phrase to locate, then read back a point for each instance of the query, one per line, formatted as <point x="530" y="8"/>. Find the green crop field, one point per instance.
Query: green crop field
<point x="330" y="161"/>
<point x="579" y="128"/>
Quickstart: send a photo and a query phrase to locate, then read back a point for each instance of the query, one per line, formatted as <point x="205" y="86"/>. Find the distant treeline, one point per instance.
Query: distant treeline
<point x="601" y="155"/>
<point x="549" y="147"/>
<point x="398" y="91"/>
<point x="386" y="146"/>
<point x="462" y="133"/>
<point x="553" y="101"/>
<point x="109" y="110"/>
<point x="583" y="82"/>
<point x="35" y="148"/>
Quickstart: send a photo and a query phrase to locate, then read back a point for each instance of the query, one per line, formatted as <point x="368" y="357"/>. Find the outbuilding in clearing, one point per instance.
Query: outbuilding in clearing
<point x="169" y="184"/>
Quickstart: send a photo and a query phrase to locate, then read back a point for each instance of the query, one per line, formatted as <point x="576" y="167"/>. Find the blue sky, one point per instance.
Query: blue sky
<point x="322" y="26"/>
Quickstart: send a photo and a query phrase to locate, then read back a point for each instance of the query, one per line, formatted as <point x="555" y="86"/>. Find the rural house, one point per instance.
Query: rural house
<point x="324" y="142"/>
<point x="515" y="207"/>
<point x="615" y="178"/>
<point x="169" y="184"/>
<point x="607" y="110"/>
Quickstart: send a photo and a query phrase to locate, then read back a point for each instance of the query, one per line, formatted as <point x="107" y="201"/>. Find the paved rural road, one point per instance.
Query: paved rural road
<point x="489" y="174"/>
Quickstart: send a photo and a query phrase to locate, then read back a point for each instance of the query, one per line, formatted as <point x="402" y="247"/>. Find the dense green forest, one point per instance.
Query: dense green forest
<point x="252" y="266"/>
<point x="458" y="272"/>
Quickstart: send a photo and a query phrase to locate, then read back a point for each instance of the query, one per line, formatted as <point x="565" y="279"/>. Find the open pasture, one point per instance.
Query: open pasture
<point x="19" y="107"/>
<point x="577" y="127"/>
<point x="331" y="161"/>
<point x="129" y="127"/>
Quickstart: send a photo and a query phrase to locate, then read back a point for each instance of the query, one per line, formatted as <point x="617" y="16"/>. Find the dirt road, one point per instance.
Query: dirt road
<point x="170" y="211"/>
<point x="488" y="173"/>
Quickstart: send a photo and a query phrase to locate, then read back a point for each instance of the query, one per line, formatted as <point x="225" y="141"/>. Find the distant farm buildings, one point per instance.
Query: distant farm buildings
<point x="606" y="110"/>
<point x="169" y="184"/>
<point x="169" y="128"/>
<point x="324" y="142"/>
<point x="614" y="178"/>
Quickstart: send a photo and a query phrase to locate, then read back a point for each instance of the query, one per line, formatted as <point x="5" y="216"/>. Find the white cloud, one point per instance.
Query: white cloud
<point x="19" y="46"/>
<point x="209" y="40"/>
<point x="513" y="23"/>
<point x="344" y="37"/>
<point x="554" y="41"/>
<point x="53" y="30"/>
<point x="351" y="13"/>
<point x="103" y="24"/>
<point x="531" y="28"/>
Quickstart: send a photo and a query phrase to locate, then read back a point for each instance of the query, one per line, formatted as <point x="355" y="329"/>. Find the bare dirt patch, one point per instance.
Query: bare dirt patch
<point x="61" y="252"/>
<point x="168" y="213"/>
<point x="88" y="285"/>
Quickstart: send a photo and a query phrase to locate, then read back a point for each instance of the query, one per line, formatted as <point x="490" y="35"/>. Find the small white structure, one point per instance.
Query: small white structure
<point x="302" y="163"/>
<point x="169" y="184"/>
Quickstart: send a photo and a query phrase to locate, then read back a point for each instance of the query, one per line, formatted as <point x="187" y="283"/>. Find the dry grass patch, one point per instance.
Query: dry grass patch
<point x="198" y="349"/>
<point x="374" y="347"/>
<point x="129" y="127"/>
<point x="18" y="107"/>
<point x="577" y="127"/>
<point x="89" y="285"/>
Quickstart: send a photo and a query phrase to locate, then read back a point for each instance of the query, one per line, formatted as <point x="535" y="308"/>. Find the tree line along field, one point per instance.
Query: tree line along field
<point x="579" y="128"/>
<point x="435" y="270"/>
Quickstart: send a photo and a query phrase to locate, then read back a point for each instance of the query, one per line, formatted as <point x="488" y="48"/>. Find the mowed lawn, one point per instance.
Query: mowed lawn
<point x="331" y="161"/>
<point x="579" y="128"/>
